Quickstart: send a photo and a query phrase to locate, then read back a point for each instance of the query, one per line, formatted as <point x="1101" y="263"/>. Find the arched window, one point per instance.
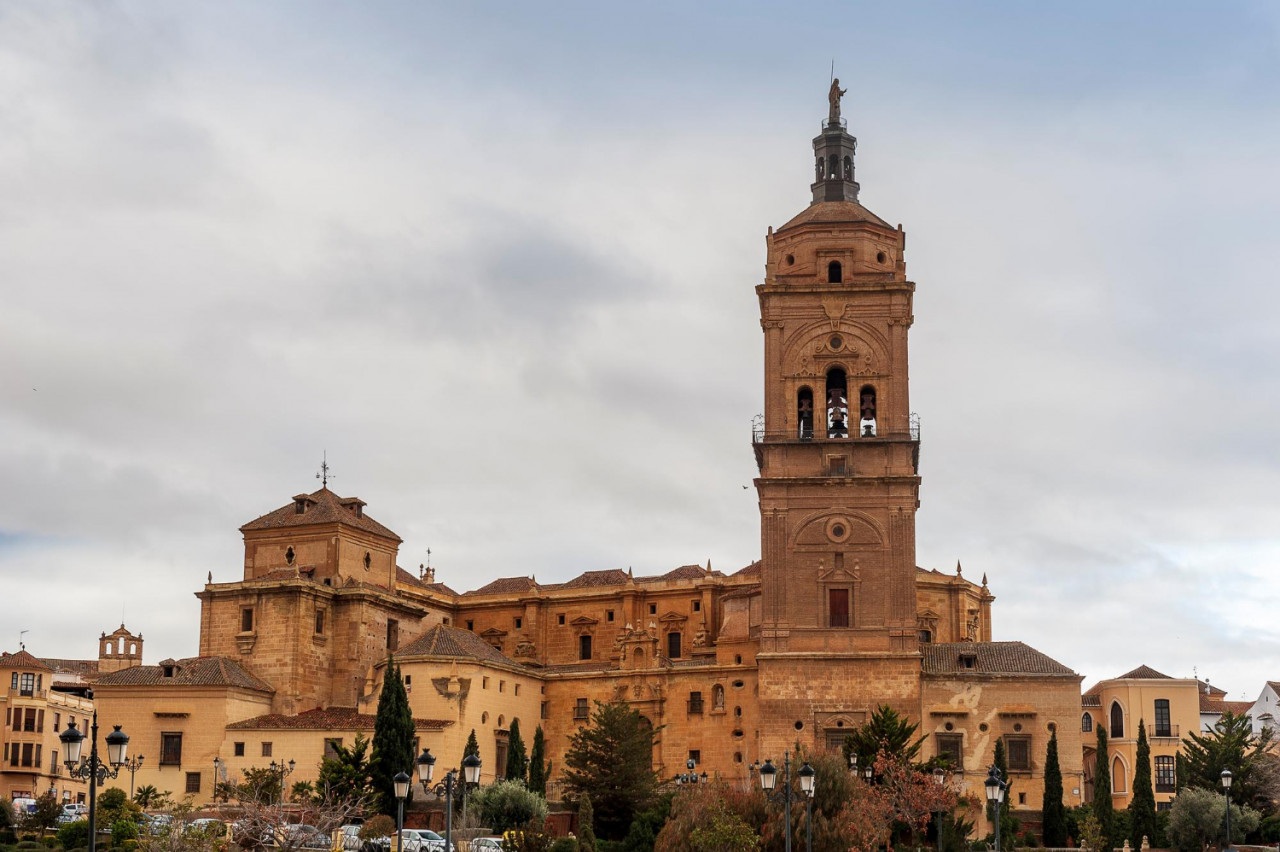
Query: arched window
<point x="1086" y="723"/>
<point x="1118" y="784"/>
<point x="717" y="697"/>
<point x="817" y="171"/>
<point x="1117" y="721"/>
<point x="867" y="411"/>
<point x="848" y="168"/>
<point x="804" y="413"/>
<point x="833" y="166"/>
<point x="837" y="404"/>
<point x="835" y="274"/>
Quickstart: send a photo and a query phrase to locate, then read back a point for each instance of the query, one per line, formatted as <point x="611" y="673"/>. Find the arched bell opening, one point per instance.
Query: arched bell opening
<point x="835" y="273"/>
<point x="867" y="411"/>
<point x="837" y="403"/>
<point x="804" y="413"/>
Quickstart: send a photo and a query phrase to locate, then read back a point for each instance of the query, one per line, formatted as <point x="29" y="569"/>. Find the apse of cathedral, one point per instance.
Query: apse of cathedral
<point x="731" y="667"/>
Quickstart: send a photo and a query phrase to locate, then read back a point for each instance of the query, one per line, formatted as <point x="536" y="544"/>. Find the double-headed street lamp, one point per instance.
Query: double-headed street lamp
<point x="769" y="783"/>
<point x="995" y="787"/>
<point x="92" y="767"/>
<point x="1226" y="791"/>
<point x="807" y="778"/>
<point x="470" y="775"/>
<point x="940" y="776"/>
<point x="133" y="764"/>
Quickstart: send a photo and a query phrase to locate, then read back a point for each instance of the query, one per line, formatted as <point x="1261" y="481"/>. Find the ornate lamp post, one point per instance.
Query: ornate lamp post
<point x="401" y="784"/>
<point x="133" y="764"/>
<point x="471" y="775"/>
<point x="940" y="776"/>
<point x="807" y="786"/>
<point x="284" y="771"/>
<point x="470" y="778"/>
<point x="217" y="775"/>
<point x="995" y="794"/>
<point x="691" y="777"/>
<point x="92" y="767"/>
<point x="1226" y="791"/>
<point x="769" y="780"/>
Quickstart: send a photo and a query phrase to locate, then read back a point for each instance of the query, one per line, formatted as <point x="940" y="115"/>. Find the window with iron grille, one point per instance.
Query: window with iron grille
<point x="1018" y="752"/>
<point x="1086" y="723"/>
<point x="1166" y="777"/>
<point x="193" y="782"/>
<point x="1163" y="727"/>
<point x="581" y="710"/>
<point x="695" y="702"/>
<point x="170" y="749"/>
<point x="951" y="747"/>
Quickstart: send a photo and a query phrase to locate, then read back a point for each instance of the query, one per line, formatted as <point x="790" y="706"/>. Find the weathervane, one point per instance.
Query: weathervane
<point x="324" y="476"/>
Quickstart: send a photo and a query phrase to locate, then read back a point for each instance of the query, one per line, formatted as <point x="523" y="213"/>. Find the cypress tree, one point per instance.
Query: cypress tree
<point x="539" y="768"/>
<point x="1102" y="809"/>
<point x="1142" y="807"/>
<point x="517" y="760"/>
<point x="1055" y="813"/>
<point x="586" y="829"/>
<point x="472" y="746"/>
<point x="392" y="739"/>
<point x="1008" y="822"/>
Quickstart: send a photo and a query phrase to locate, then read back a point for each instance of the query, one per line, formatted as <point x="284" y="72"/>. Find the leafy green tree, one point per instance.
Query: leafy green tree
<point x="644" y="830"/>
<point x="723" y="830"/>
<point x="539" y="766"/>
<point x="261" y="785"/>
<point x="46" y="812"/>
<point x="885" y="731"/>
<point x="346" y="773"/>
<point x="507" y="804"/>
<point x="612" y="758"/>
<point x="74" y="835"/>
<point x="1142" y="807"/>
<point x="586" y="826"/>
<point x="122" y="830"/>
<point x="7" y="818"/>
<point x="1103" y="811"/>
<point x="1231" y="744"/>
<point x="1054" y="812"/>
<point x="1197" y="816"/>
<point x="517" y="759"/>
<point x="392" y="739"/>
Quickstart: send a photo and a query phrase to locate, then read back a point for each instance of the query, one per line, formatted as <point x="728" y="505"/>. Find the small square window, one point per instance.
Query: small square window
<point x="266" y="749"/>
<point x="653" y="609"/>
<point x="471" y="625"/>
<point x="502" y="686"/>
<point x="697" y="606"/>
<point x="238" y="749"/>
<point x="608" y="615"/>
<point x="517" y="689"/>
<point x="484" y="683"/>
<point x="695" y="755"/>
<point x="193" y="782"/>
<point x="519" y="623"/>
<point x="561" y="618"/>
<point x="319" y="622"/>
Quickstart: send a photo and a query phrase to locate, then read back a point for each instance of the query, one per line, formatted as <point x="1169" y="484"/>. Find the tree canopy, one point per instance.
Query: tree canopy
<point x="517" y="760"/>
<point x="1232" y="744"/>
<point x="346" y="773"/>
<point x="886" y="731"/>
<point x="611" y="759"/>
<point x="392" y="739"/>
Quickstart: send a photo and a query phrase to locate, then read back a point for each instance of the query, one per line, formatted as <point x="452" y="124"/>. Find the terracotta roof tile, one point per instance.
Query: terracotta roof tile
<point x="191" y="671"/>
<point x="589" y="579"/>
<point x="686" y="572"/>
<point x="444" y="641"/>
<point x="326" y="719"/>
<point x="1143" y="673"/>
<point x="990" y="658"/>
<point x="1240" y="708"/>
<point x="323" y="507"/>
<point x="1211" y="703"/>
<point x="23" y="660"/>
<point x="1206" y="687"/>
<point x="506" y="586"/>
<point x="835" y="211"/>
<point x="80" y="667"/>
<point x="752" y="570"/>
<point x="1090" y="700"/>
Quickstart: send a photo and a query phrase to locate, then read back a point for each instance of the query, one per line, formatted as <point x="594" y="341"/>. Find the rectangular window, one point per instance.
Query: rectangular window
<point x="519" y="623"/>
<point x="1166" y="778"/>
<point x="170" y="749"/>
<point x="697" y="606"/>
<point x="653" y="609"/>
<point x="484" y="682"/>
<point x="193" y="782"/>
<point x="502" y="685"/>
<point x="517" y="689"/>
<point x="673" y="646"/>
<point x="393" y="634"/>
<point x="28" y="687"/>
<point x="1018" y="752"/>
<point x="560" y="619"/>
<point x="580" y="710"/>
<point x="1163" y="728"/>
<point x="17" y="719"/>
<point x="950" y="746"/>
<point x="330" y="752"/>
<point x="57" y="721"/>
<point x="695" y="703"/>
<point x="608" y="615"/>
<point x="266" y="749"/>
<point x="246" y="620"/>
<point x="40" y="722"/>
<point x="238" y="749"/>
<point x="543" y="711"/>
<point x="319" y="621"/>
<point x="29" y="720"/>
<point x="837" y="607"/>
<point x="13" y="681"/>
<point x="28" y="754"/>
<point x="584" y="647"/>
<point x="471" y="624"/>
<point x="696" y="756"/>
<point x="1164" y="806"/>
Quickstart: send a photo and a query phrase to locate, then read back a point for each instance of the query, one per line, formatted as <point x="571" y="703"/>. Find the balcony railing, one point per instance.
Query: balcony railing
<point x="1166" y="732"/>
<point x="28" y="693"/>
<point x="850" y="433"/>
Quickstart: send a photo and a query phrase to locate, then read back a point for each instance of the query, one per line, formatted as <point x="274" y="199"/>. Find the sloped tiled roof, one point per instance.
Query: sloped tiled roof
<point x="588" y="579"/>
<point x="1013" y="658"/>
<point x="191" y="671"/>
<point x="1090" y="700"/>
<point x="685" y="572"/>
<point x="1238" y="707"/>
<point x="326" y="719"/>
<point x="1206" y="687"/>
<point x="1143" y="673"/>
<point x="80" y="667"/>
<point x="444" y="641"/>
<point x="22" y="660"/>
<point x="506" y="586"/>
<point x="834" y="211"/>
<point x="752" y="570"/>
<point x="324" y="507"/>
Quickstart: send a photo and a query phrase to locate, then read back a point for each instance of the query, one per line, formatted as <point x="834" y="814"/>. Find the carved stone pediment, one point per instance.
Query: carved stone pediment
<point x="673" y="618"/>
<point x="493" y="631"/>
<point x="584" y="621"/>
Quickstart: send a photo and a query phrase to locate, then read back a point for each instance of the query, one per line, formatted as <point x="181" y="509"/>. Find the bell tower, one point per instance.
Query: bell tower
<point x="837" y="449"/>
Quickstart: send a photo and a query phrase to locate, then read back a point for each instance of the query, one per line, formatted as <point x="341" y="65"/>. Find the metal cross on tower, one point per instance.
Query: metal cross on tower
<point x="324" y="475"/>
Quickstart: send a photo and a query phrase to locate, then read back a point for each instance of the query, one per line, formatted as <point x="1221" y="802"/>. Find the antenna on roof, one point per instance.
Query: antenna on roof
<point x="324" y="475"/>
<point x="22" y="646"/>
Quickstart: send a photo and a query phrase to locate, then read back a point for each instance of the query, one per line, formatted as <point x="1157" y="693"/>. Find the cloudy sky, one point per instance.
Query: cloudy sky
<point x="498" y="261"/>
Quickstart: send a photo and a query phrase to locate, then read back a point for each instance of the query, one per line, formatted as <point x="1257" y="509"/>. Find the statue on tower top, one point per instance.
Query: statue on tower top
<point x="833" y="98"/>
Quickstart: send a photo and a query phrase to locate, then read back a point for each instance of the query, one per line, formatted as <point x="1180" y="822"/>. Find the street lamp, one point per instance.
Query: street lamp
<point x="470" y="778"/>
<point x="807" y="778"/>
<point x="92" y="767"/>
<point x="133" y="764"/>
<point x="1226" y="791"/>
<point x="995" y="794"/>
<point x="217" y="774"/>
<point x="284" y="771"/>
<point x="690" y="777"/>
<point x="769" y="780"/>
<point x="940" y="776"/>
<point x="401" y="783"/>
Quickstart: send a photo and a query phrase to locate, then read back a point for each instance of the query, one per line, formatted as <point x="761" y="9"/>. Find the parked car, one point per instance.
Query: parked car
<point x="349" y="838"/>
<point x="158" y="823"/>
<point x="432" y="842"/>
<point x="300" y="836"/>
<point x="486" y="844"/>
<point x="77" y="809"/>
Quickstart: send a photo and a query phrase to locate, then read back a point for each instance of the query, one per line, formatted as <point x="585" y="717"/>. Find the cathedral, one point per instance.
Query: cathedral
<point x="730" y="668"/>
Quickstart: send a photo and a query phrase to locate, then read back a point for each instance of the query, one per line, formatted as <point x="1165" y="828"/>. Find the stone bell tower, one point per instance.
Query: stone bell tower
<point x="837" y="450"/>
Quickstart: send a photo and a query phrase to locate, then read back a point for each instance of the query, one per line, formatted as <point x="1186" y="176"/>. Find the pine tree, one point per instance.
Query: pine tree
<point x="472" y="746"/>
<point x="1102" y="808"/>
<point x="392" y="739"/>
<point x="611" y="758"/>
<point x="517" y="760"/>
<point x="1055" y="813"/>
<point x="586" y="828"/>
<point x="539" y="768"/>
<point x="1142" y="807"/>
